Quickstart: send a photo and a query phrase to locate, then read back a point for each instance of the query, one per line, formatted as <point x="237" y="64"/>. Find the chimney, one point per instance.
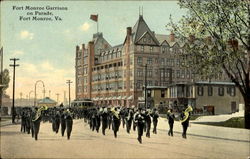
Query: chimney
<point x="77" y="48"/>
<point x="209" y="40"/>
<point x="172" y="37"/>
<point x="129" y="31"/>
<point x="233" y="43"/>
<point x="83" y="46"/>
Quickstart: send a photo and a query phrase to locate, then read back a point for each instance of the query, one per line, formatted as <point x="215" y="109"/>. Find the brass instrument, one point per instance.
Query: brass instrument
<point x="186" y="113"/>
<point x="116" y="113"/>
<point x="39" y="112"/>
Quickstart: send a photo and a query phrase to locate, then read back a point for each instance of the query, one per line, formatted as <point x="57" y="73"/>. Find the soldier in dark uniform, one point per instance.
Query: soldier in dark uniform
<point x="37" y="120"/>
<point x="57" y="121"/>
<point x="171" y="118"/>
<point x="148" y="123"/>
<point x="93" y="121"/>
<point x="104" y="116"/>
<point x="63" y="122"/>
<point x="97" y="120"/>
<point x="155" y="116"/>
<point x="116" y="121"/>
<point x="109" y="118"/>
<point x="185" y="116"/>
<point x="140" y="121"/>
<point x="23" y="122"/>
<point x="28" y="121"/>
<point x="69" y="123"/>
<point x="129" y="119"/>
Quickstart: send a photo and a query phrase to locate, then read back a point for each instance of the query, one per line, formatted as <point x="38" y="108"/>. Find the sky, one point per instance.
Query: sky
<point x="46" y="49"/>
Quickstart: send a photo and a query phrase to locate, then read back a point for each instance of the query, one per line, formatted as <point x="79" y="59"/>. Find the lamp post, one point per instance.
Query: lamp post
<point x="35" y="90"/>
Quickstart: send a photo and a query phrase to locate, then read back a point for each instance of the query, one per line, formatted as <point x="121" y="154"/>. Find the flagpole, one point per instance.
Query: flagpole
<point x="1" y="82"/>
<point x="97" y="23"/>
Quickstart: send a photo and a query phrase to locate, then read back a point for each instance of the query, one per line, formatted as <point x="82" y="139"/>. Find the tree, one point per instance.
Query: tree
<point x="5" y="82"/>
<point x="218" y="33"/>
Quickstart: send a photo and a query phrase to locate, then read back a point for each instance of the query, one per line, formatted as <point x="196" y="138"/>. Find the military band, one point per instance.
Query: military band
<point x="105" y="117"/>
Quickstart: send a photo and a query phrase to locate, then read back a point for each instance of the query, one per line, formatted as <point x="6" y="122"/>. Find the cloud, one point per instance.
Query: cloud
<point x="47" y="66"/>
<point x="26" y="35"/>
<point x="53" y="77"/>
<point x="29" y="68"/>
<point x="17" y="53"/>
<point x="85" y="26"/>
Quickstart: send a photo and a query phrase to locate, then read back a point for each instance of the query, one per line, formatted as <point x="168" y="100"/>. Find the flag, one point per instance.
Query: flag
<point x="94" y="17"/>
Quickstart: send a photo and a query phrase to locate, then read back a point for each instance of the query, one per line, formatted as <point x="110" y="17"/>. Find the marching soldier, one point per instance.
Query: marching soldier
<point x="171" y="117"/>
<point x="23" y="122"/>
<point x="63" y="122"/>
<point x="97" y="120"/>
<point x="140" y="121"/>
<point x="185" y="115"/>
<point x="148" y="123"/>
<point x="36" y="121"/>
<point x="57" y="121"/>
<point x="69" y="123"/>
<point x="116" y="121"/>
<point x="104" y="116"/>
<point x="155" y="116"/>
<point x="129" y="119"/>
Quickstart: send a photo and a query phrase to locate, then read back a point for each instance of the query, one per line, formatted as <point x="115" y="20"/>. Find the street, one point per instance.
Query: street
<point x="87" y="144"/>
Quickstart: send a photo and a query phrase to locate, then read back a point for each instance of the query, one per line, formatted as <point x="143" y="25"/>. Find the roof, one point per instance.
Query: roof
<point x="162" y="37"/>
<point x="214" y="83"/>
<point x="46" y="100"/>
<point x="141" y="28"/>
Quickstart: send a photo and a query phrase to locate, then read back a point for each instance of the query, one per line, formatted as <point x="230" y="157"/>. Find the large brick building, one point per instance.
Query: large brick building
<point x="115" y="75"/>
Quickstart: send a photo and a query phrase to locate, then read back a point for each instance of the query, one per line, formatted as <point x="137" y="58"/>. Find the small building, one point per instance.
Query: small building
<point x="46" y="102"/>
<point x="212" y="97"/>
<point x="156" y="96"/>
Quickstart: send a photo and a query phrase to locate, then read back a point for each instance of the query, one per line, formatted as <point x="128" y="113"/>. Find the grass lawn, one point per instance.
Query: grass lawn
<point x="236" y="122"/>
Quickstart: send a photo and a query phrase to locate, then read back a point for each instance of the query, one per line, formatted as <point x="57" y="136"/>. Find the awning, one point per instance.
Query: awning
<point x="94" y="99"/>
<point x="105" y="98"/>
<point x="130" y="98"/>
<point x="114" y="98"/>
<point x="100" y="98"/>
<point x="124" y="97"/>
<point x="119" y="98"/>
<point x="141" y="98"/>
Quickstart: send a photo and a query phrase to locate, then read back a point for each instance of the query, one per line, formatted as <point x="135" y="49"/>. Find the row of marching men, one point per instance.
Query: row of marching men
<point x="59" y="117"/>
<point x="129" y="118"/>
<point x="139" y="119"/>
<point x="103" y="117"/>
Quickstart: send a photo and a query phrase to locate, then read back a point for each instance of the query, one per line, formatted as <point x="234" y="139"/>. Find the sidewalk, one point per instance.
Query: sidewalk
<point x="7" y="122"/>
<point x="216" y="132"/>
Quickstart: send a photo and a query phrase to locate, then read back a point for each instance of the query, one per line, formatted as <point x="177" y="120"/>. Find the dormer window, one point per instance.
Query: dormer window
<point x="142" y="48"/>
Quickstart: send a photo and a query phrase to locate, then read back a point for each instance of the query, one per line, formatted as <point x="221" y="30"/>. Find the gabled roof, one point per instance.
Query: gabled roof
<point x="46" y="100"/>
<point x="140" y="28"/>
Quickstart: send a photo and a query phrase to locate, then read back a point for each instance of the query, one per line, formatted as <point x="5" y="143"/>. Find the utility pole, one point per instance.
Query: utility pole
<point x="49" y="93"/>
<point x="13" y="100"/>
<point x="68" y="82"/>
